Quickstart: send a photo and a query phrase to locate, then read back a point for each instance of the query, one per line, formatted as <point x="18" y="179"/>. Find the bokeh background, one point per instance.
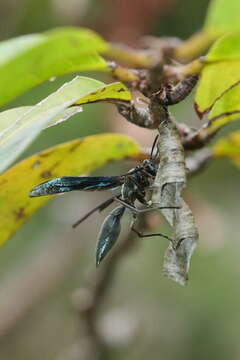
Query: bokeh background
<point x="43" y="265"/>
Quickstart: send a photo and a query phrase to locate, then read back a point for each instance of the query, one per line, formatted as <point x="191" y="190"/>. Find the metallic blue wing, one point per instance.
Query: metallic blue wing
<point x="71" y="183"/>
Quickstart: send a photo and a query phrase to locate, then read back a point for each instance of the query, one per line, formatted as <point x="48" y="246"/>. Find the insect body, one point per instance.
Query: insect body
<point x="134" y="186"/>
<point x="109" y="233"/>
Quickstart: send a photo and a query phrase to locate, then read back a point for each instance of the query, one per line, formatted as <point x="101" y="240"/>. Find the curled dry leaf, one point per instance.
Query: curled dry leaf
<point x="177" y="261"/>
<point x="170" y="180"/>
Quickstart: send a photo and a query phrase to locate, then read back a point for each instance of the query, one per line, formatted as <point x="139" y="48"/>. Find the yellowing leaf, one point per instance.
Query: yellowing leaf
<point x="28" y="124"/>
<point x="227" y="107"/>
<point x="221" y="72"/>
<point x="228" y="147"/>
<point x="72" y="158"/>
<point x="114" y="91"/>
<point x="224" y="111"/>
<point x="30" y="60"/>
<point x="215" y="80"/>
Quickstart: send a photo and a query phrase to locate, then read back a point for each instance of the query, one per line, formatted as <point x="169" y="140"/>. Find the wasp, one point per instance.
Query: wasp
<point x="134" y="187"/>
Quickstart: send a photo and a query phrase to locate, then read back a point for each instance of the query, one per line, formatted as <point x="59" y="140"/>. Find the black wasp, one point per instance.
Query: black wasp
<point x="133" y="185"/>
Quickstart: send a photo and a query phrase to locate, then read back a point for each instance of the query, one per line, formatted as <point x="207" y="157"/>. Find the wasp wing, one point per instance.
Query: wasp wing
<point x="71" y="183"/>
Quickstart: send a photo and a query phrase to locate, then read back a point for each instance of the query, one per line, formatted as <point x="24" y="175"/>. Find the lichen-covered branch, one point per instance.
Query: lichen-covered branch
<point x="171" y="95"/>
<point x="142" y="116"/>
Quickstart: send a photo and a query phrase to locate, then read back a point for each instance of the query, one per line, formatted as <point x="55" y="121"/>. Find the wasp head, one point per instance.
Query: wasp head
<point x="149" y="166"/>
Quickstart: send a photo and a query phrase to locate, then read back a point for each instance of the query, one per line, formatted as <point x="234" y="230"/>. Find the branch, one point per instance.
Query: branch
<point x="195" y="46"/>
<point x="148" y="116"/>
<point x="88" y="302"/>
<point x="196" y="139"/>
<point x="124" y="74"/>
<point x="198" y="161"/>
<point x="171" y="95"/>
<point x="154" y="69"/>
<point x="138" y="59"/>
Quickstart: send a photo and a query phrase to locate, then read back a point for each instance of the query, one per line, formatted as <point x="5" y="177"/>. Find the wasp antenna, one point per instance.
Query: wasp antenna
<point x="153" y="146"/>
<point x="156" y="155"/>
<point x="99" y="208"/>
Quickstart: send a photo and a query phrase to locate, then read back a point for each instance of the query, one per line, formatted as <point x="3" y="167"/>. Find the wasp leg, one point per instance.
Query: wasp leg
<point x="138" y="211"/>
<point x="127" y="205"/>
<point x="141" y="235"/>
<point x="99" y="208"/>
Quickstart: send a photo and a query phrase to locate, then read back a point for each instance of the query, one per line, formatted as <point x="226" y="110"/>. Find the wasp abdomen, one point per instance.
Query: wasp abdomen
<point x="109" y="233"/>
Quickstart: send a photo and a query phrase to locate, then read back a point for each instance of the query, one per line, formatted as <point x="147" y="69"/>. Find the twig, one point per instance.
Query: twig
<point x="141" y="116"/>
<point x="171" y="95"/>
<point x="195" y="46"/>
<point x="123" y="74"/>
<point x="198" y="161"/>
<point x="89" y="301"/>
<point x="129" y="56"/>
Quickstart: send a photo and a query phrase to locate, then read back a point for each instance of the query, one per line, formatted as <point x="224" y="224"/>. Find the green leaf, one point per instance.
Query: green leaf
<point x="9" y="49"/>
<point x="25" y="128"/>
<point x="228" y="147"/>
<point x="220" y="74"/>
<point x="222" y="16"/>
<point x="227" y="108"/>
<point x="72" y="158"/>
<point x="225" y="49"/>
<point x="10" y="117"/>
<point x="216" y="79"/>
<point x="224" y="111"/>
<point x="30" y="60"/>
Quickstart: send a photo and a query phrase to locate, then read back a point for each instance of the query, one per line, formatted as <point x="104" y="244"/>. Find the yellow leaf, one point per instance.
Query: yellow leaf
<point x="225" y="111"/>
<point x="114" y="91"/>
<point x="215" y="80"/>
<point x="228" y="147"/>
<point x="72" y="158"/>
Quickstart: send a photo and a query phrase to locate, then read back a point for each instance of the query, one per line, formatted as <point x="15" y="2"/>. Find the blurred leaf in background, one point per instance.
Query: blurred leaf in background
<point x="76" y="157"/>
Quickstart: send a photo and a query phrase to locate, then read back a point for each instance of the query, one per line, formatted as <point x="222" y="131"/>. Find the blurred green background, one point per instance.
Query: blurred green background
<point x="144" y="314"/>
